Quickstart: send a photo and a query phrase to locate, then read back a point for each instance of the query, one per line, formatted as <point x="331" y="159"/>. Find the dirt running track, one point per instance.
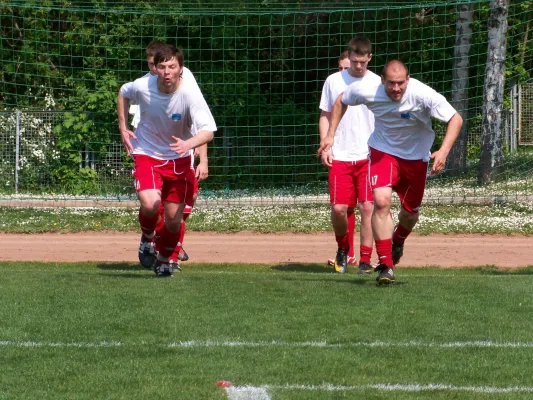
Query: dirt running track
<point x="246" y="247"/>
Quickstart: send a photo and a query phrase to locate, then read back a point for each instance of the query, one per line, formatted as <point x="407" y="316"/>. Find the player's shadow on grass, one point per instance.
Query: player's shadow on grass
<point x="493" y="270"/>
<point x="299" y="267"/>
<point x="123" y="267"/>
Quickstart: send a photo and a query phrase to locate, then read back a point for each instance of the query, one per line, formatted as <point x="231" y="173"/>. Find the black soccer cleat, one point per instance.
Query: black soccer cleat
<point x="341" y="261"/>
<point x="386" y="275"/>
<point x="182" y="255"/>
<point x="397" y="253"/>
<point x="147" y="253"/>
<point x="365" y="268"/>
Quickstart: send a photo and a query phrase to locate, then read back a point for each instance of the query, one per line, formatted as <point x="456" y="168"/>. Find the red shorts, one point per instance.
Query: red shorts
<point x="406" y="177"/>
<point x="348" y="182"/>
<point x="174" y="178"/>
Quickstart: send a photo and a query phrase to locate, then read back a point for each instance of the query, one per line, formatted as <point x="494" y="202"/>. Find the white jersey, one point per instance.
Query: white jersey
<point x="166" y="115"/>
<point x="135" y="109"/>
<point x="403" y="128"/>
<point x="355" y="127"/>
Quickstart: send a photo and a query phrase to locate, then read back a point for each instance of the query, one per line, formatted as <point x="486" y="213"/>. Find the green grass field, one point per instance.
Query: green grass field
<point x="115" y="331"/>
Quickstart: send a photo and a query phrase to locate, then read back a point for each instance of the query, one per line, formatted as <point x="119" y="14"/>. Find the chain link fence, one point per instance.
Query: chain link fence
<point x="33" y="162"/>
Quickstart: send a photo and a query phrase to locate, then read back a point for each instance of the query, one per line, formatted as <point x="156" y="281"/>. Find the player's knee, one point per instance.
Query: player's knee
<point x="407" y="218"/>
<point x="150" y="207"/>
<point x="173" y="224"/>
<point x="365" y="208"/>
<point x="382" y="203"/>
<point x="339" y="210"/>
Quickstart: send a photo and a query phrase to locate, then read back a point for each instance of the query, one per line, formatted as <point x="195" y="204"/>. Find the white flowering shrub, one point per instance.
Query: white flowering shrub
<point x="37" y="149"/>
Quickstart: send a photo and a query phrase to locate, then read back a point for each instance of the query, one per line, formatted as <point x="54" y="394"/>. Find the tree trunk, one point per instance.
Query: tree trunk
<point x="492" y="126"/>
<point x="461" y="63"/>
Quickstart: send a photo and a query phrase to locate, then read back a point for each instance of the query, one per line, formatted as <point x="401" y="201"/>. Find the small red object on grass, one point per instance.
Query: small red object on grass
<point x="224" y="384"/>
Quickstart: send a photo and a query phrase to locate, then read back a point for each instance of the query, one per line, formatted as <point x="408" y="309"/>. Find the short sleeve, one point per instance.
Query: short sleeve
<point x="352" y="95"/>
<point x="439" y="106"/>
<point x="325" y="100"/>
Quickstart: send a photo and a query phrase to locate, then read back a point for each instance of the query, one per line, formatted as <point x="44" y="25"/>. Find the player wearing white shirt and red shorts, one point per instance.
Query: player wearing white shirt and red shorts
<point x="399" y="152"/>
<point x="347" y="160"/>
<point x="161" y="147"/>
<point x="147" y="253"/>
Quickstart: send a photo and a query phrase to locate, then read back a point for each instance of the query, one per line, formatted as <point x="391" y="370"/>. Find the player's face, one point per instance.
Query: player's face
<point x="344" y="64"/>
<point x="395" y="83"/>
<point x="358" y="64"/>
<point x="151" y="65"/>
<point x="168" y="73"/>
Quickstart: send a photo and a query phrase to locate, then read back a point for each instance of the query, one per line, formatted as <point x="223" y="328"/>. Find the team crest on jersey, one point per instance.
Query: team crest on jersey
<point x="405" y="115"/>
<point x="176" y="117"/>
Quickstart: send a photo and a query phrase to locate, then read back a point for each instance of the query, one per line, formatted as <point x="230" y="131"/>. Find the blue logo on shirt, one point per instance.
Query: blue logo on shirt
<point x="405" y="115"/>
<point x="176" y="117"/>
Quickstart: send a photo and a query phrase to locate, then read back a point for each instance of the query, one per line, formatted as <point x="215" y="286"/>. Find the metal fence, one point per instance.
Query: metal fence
<point x="524" y="96"/>
<point x="34" y="162"/>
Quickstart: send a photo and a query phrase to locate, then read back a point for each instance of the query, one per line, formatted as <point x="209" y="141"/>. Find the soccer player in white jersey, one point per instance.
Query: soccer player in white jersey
<point x="399" y="151"/>
<point x="161" y="147"/>
<point x="343" y="64"/>
<point x="347" y="159"/>
<point x="147" y="253"/>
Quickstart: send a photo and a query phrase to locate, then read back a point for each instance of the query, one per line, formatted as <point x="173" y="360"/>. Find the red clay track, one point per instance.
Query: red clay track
<point x="246" y="247"/>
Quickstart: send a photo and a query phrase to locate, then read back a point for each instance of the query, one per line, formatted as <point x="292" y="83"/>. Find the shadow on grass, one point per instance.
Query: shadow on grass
<point x="493" y="270"/>
<point x="299" y="267"/>
<point x="120" y="266"/>
<point x="134" y="268"/>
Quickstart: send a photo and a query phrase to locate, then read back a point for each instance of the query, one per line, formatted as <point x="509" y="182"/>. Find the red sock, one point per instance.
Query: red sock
<point x="179" y="245"/>
<point x="182" y="231"/>
<point x="342" y="242"/>
<point x="365" y="254"/>
<point x="159" y="226"/>
<point x="167" y="243"/>
<point x="148" y="224"/>
<point x="400" y="234"/>
<point x="384" y="250"/>
<point x="351" y="230"/>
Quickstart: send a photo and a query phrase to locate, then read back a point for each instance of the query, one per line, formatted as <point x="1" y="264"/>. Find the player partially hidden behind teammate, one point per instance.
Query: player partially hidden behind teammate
<point x="343" y="64"/>
<point x="161" y="147"/>
<point x="347" y="159"/>
<point x="399" y="151"/>
<point x="147" y="254"/>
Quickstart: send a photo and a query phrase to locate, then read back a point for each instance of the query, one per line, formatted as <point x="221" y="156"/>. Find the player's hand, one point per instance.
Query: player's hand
<point x="325" y="145"/>
<point x="439" y="161"/>
<point x="326" y="157"/>
<point x="202" y="171"/>
<point x="180" y="147"/>
<point x="125" y="136"/>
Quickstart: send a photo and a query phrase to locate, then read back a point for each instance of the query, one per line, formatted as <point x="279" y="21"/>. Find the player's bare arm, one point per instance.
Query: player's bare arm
<point x="338" y="111"/>
<point x="452" y="132"/>
<point x="182" y="147"/>
<point x="202" y="170"/>
<point x="323" y="126"/>
<point x="123" y="106"/>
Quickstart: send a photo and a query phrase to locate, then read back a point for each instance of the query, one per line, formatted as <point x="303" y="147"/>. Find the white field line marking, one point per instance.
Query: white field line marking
<point x="247" y="393"/>
<point x="272" y="344"/>
<point x="401" y="388"/>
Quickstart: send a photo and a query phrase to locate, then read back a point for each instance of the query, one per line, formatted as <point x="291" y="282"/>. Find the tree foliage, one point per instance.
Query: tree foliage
<point x="260" y="64"/>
